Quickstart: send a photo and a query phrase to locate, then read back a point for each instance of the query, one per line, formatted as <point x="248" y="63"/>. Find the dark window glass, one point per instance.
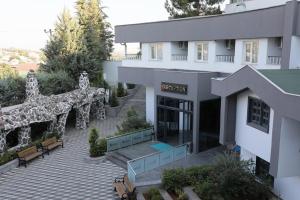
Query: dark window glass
<point x="258" y="114"/>
<point x="262" y="171"/>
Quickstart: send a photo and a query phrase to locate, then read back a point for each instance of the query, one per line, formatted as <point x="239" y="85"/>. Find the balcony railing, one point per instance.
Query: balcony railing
<point x="274" y="60"/>
<point x="179" y="57"/>
<point x="133" y="57"/>
<point x="225" y="58"/>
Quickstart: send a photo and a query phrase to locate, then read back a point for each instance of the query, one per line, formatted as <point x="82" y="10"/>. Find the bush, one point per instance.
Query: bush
<point x="183" y="196"/>
<point x="196" y="174"/>
<point x="130" y="86"/>
<point x="174" y="179"/>
<point x="55" y="83"/>
<point x="153" y="194"/>
<point x="12" y="91"/>
<point x="121" y="92"/>
<point x="132" y="123"/>
<point x="7" y="156"/>
<point x="97" y="147"/>
<point x="113" y="101"/>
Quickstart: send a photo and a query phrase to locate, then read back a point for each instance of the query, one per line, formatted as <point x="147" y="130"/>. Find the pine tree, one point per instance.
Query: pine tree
<point x="190" y="8"/>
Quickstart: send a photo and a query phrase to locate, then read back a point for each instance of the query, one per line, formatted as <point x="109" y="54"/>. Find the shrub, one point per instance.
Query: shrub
<point x="183" y="196"/>
<point x="55" y="83"/>
<point x="7" y="156"/>
<point x="198" y="174"/>
<point x="121" y="92"/>
<point x="153" y="194"/>
<point x="12" y="91"/>
<point x="132" y="123"/>
<point x="174" y="179"/>
<point x="113" y="101"/>
<point x="97" y="147"/>
<point x="207" y="190"/>
<point x="130" y="86"/>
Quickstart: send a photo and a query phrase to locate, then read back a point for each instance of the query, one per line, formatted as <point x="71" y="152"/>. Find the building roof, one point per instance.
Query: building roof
<point x="287" y="80"/>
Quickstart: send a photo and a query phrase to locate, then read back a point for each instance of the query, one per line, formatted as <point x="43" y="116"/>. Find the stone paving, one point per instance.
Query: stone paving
<point x="68" y="173"/>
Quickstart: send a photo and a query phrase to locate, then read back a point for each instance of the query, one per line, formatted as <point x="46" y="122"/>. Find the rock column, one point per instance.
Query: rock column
<point x="24" y="136"/>
<point x="32" y="89"/>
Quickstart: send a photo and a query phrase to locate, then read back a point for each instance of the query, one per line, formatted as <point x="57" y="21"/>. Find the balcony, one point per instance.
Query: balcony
<point x="179" y="57"/>
<point x="133" y="57"/>
<point x="225" y="58"/>
<point x="274" y="60"/>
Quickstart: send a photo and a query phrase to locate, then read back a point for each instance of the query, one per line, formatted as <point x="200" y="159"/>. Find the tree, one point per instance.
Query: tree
<point x="7" y="71"/>
<point x="190" y="8"/>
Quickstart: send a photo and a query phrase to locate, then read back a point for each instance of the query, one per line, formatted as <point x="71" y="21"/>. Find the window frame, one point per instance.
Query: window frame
<point x="263" y="109"/>
<point x="251" y="56"/>
<point x="202" y="51"/>
<point x="156" y="56"/>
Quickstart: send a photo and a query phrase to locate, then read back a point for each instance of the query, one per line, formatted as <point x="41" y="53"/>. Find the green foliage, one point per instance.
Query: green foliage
<point x="121" y="92"/>
<point x="113" y="100"/>
<point x="227" y="179"/>
<point x="7" y="71"/>
<point x="183" y="196"/>
<point x="12" y="91"/>
<point x="130" y="86"/>
<point x="55" y="83"/>
<point x="7" y="156"/>
<point x="132" y="123"/>
<point x="174" y="179"/>
<point x="153" y="194"/>
<point x="97" y="147"/>
<point x="190" y="8"/>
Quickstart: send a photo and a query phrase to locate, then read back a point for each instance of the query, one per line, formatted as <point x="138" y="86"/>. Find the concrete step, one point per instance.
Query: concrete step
<point x="118" y="159"/>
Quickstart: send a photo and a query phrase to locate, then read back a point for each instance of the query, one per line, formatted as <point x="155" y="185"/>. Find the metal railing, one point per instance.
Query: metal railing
<point x="155" y="160"/>
<point x="133" y="57"/>
<point x="274" y="60"/>
<point x="179" y="57"/>
<point x="225" y="58"/>
<point x="122" y="141"/>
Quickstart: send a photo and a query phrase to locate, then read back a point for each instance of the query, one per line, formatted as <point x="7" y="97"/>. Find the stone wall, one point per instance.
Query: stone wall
<point x="54" y="109"/>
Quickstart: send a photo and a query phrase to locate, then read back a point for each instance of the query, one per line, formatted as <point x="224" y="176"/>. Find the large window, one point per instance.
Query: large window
<point x="156" y="51"/>
<point x="262" y="171"/>
<point x="258" y="114"/>
<point x="251" y="52"/>
<point x="202" y="51"/>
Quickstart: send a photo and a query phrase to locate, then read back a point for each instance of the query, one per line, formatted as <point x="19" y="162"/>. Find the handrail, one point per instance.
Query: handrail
<point x="274" y="60"/>
<point x="225" y="58"/>
<point x="129" y="165"/>
<point x="130" y="133"/>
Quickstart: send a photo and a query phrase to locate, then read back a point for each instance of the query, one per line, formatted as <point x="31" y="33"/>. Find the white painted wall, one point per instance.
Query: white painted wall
<point x="289" y="150"/>
<point x="287" y="188"/>
<point x="150" y="109"/>
<point x="295" y="52"/>
<point x="193" y="64"/>
<point x="253" y="140"/>
<point x="252" y="5"/>
<point x="110" y="71"/>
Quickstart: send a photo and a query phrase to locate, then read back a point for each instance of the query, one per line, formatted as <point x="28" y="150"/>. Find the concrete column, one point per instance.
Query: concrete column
<point x="61" y="124"/>
<point x="3" y="135"/>
<point x="196" y="119"/>
<point x="228" y="120"/>
<point x="290" y="22"/>
<point x="24" y="136"/>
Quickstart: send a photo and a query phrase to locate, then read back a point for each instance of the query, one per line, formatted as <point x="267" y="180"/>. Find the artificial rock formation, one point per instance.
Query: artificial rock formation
<point x="53" y="109"/>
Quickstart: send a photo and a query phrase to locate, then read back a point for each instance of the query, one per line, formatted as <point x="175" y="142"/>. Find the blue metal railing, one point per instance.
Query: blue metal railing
<point x="118" y="142"/>
<point x="155" y="160"/>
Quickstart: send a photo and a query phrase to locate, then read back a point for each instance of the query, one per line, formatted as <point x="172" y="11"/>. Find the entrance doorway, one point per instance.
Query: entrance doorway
<point x="209" y="125"/>
<point x="174" y="120"/>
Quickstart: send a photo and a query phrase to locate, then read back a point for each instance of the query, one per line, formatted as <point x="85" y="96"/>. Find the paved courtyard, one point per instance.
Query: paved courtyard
<point x="68" y="173"/>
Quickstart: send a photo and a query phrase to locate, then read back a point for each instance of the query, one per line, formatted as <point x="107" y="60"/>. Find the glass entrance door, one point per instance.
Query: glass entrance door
<point x="174" y="120"/>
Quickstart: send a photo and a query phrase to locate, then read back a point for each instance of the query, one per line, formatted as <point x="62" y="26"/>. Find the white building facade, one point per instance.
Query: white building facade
<point x="198" y="90"/>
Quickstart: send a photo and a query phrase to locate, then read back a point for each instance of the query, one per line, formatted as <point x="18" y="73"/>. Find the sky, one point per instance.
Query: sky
<point x="22" y="22"/>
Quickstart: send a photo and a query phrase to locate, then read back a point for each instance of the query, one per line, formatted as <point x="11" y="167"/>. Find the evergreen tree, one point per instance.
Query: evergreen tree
<point x="190" y="8"/>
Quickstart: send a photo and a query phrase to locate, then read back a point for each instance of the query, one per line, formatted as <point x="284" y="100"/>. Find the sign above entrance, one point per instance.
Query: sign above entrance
<point x="174" y="88"/>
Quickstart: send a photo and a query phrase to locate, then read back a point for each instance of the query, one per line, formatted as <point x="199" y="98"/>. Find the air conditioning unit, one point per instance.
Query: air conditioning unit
<point x="229" y="44"/>
<point x="182" y="45"/>
<point x="279" y="42"/>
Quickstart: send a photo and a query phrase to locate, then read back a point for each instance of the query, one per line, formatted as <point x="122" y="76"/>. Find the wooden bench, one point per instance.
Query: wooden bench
<point x="51" y="143"/>
<point x="124" y="187"/>
<point x="28" y="155"/>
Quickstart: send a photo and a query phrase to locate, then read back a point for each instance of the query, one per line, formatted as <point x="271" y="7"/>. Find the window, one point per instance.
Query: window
<point x="156" y="51"/>
<point x="202" y="51"/>
<point x="258" y="114"/>
<point x="251" y="52"/>
<point x="262" y="171"/>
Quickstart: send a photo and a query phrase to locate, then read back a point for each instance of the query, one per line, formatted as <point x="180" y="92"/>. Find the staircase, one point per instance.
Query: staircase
<point x="118" y="159"/>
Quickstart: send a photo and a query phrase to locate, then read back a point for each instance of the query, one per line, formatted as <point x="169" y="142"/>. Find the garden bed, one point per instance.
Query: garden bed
<point x="152" y="193"/>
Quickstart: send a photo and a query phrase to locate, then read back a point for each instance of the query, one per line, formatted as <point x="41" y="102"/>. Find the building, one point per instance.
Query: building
<point x="229" y="79"/>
